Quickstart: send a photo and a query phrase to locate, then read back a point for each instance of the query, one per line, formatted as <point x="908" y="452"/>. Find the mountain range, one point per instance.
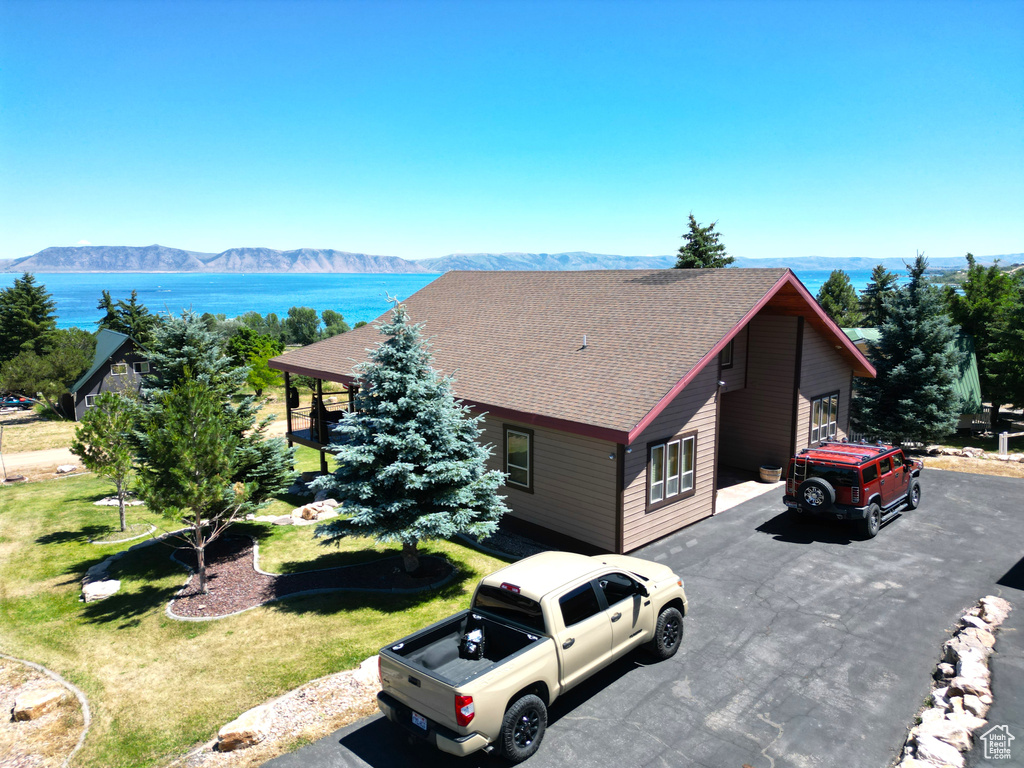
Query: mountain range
<point x="159" y="258"/>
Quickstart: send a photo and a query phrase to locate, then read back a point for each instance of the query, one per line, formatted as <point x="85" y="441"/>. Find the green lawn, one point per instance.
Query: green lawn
<point x="156" y="685"/>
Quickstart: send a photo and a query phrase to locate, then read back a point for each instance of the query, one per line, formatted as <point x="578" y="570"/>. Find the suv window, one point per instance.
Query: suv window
<point x="578" y="605"/>
<point x="870" y="473"/>
<point x="897" y="461"/>
<point x="616" y="587"/>
<point x="839" y="477"/>
<point x="885" y="466"/>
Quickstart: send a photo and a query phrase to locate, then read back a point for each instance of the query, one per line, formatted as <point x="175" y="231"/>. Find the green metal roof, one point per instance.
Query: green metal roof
<point x="107" y="343"/>
<point x="967" y="384"/>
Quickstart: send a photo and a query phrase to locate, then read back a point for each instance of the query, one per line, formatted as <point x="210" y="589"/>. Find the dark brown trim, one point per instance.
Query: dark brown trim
<point x="796" y="384"/>
<point x="620" y="492"/>
<point x="714" y="467"/>
<point x="505" y="429"/>
<point x="287" y="401"/>
<point x="849" y="407"/>
<point x="746" y="359"/>
<point x="722" y="366"/>
<point x="669" y="500"/>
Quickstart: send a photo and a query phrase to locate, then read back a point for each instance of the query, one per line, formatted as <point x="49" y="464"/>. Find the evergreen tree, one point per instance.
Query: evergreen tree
<point x="27" y="318"/>
<point x="128" y="317"/>
<point x="839" y="300"/>
<point x="191" y="473"/>
<point x="1006" y="362"/>
<point x="183" y="350"/>
<point x="981" y="308"/>
<point x="410" y="467"/>
<point x="702" y="250"/>
<point x="103" y="441"/>
<point x="912" y="398"/>
<point x="872" y="301"/>
<point x="49" y="375"/>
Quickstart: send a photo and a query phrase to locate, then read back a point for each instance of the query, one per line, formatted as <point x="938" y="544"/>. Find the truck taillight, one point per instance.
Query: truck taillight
<point x="464" y="709"/>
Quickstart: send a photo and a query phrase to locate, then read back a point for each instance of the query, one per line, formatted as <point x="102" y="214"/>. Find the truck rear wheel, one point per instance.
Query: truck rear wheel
<point x="668" y="634"/>
<point x="523" y="728"/>
<point x="872" y="522"/>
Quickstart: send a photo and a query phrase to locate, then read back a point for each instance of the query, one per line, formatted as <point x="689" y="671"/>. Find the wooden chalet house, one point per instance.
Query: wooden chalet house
<point x="613" y="397"/>
<point x="117" y="366"/>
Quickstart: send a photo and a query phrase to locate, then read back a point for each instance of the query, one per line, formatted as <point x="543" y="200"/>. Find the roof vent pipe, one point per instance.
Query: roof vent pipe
<point x="584" y="341"/>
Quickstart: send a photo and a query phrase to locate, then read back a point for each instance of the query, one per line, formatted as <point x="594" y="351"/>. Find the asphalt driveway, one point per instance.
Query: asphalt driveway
<point x="804" y="645"/>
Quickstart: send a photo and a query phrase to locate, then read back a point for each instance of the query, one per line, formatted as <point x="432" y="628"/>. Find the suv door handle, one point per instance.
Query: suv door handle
<point x="616" y="616"/>
<point x="568" y="643"/>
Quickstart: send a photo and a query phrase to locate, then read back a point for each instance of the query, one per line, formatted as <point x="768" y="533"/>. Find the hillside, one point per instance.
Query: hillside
<point x="575" y="260"/>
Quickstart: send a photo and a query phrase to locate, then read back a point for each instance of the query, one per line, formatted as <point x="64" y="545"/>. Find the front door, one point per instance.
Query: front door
<point x="626" y="611"/>
<point x="586" y="641"/>
<point x="888" y="484"/>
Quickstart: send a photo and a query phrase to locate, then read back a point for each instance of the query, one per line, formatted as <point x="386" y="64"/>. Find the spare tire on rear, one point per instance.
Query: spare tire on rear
<point x="816" y="494"/>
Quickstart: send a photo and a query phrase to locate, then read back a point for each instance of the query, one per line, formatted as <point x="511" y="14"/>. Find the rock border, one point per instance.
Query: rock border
<point x="961" y="693"/>
<point x="86" y="714"/>
<point x="321" y="591"/>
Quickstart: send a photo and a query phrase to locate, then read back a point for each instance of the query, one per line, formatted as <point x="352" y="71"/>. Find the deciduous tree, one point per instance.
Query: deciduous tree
<point x="702" y="249"/>
<point x="913" y="396"/>
<point x="410" y="467"/>
<point x="103" y="441"/>
<point x="302" y="326"/>
<point x="334" y="323"/>
<point x="50" y="374"/>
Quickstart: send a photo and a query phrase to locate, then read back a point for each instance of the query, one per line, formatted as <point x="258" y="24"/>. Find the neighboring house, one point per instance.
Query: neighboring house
<point x="974" y="414"/>
<point x="117" y="366"/>
<point x="613" y="397"/>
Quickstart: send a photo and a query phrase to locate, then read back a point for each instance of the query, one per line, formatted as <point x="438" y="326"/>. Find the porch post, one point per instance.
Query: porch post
<point x="288" y="404"/>
<point x="319" y="421"/>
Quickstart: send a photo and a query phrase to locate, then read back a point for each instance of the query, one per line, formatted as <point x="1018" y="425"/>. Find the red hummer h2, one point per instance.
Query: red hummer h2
<point x="853" y="481"/>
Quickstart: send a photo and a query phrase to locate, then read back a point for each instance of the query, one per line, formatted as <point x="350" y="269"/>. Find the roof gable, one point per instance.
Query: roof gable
<point x="107" y="344"/>
<point x="514" y="341"/>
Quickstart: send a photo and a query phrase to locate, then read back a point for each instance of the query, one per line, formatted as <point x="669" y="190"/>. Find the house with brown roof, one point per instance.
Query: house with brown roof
<point x="612" y="398"/>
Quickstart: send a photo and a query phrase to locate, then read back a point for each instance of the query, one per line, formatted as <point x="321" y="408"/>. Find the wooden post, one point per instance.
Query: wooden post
<point x="323" y="461"/>
<point x="319" y="408"/>
<point x="288" y="404"/>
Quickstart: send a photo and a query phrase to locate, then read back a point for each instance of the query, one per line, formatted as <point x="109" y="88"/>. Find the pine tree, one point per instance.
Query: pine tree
<point x="913" y="397"/>
<point x="191" y="473"/>
<point x="872" y="301"/>
<point x="839" y="300"/>
<point x="1006" y="362"/>
<point x="184" y="351"/>
<point x="103" y="441"/>
<point x="26" y="317"/>
<point x="702" y="250"/>
<point x="410" y="467"/>
<point x="128" y="317"/>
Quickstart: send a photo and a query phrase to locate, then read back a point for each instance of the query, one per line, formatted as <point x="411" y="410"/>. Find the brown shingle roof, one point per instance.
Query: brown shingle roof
<point x="514" y="340"/>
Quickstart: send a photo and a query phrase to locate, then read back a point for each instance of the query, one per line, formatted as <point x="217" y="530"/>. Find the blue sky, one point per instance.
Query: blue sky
<point x="424" y="128"/>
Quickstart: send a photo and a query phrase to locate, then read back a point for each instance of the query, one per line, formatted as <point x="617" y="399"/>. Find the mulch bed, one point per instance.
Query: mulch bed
<point x="234" y="584"/>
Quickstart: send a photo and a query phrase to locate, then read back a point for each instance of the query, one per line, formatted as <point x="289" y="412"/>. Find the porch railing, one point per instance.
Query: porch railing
<point x="318" y="423"/>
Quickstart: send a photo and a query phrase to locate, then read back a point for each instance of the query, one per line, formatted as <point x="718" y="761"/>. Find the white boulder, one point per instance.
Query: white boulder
<point x="247" y="729"/>
<point x="35" y="704"/>
<point x="100" y="590"/>
<point x="939" y="753"/>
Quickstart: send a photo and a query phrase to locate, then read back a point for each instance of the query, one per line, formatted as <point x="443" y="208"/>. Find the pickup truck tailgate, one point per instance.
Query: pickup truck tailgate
<point x="422" y="693"/>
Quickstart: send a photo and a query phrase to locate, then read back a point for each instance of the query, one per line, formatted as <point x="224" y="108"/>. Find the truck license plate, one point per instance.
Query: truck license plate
<point x="792" y="504"/>
<point x="419" y="720"/>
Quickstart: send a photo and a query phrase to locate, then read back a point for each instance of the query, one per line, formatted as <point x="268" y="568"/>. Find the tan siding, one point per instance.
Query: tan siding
<point x="757" y="422"/>
<point x="735" y="377"/>
<point x="692" y="411"/>
<point x="574" y="486"/>
<point x="822" y="370"/>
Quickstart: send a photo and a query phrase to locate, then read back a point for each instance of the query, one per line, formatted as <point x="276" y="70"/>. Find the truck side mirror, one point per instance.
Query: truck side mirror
<point x="642" y="590"/>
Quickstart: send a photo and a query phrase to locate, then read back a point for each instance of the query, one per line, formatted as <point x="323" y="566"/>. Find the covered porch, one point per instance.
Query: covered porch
<point x="313" y="425"/>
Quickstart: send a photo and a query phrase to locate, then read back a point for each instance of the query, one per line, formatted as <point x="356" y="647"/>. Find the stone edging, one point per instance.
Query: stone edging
<point x="124" y="541"/>
<point x="962" y="692"/>
<point x="86" y="715"/>
<point x="325" y="590"/>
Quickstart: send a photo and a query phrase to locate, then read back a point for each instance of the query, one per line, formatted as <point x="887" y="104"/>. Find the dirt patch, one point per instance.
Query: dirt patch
<point x="975" y="466"/>
<point x="234" y="584"/>
<point x="40" y="743"/>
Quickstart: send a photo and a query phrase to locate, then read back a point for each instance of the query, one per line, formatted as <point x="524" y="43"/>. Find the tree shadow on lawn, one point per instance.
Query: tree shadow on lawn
<point x="84" y="534"/>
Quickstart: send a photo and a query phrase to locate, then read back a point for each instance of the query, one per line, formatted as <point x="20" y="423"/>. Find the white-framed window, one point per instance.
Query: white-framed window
<point x="118" y="369"/>
<point x="141" y="367"/>
<point x="519" y="457"/>
<point x="725" y="356"/>
<point x="670" y="473"/>
<point x="90" y="401"/>
<point x="824" y="417"/>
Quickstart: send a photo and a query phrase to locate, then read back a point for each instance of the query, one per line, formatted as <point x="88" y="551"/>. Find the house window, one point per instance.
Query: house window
<point x="725" y="356"/>
<point x="90" y="401"/>
<point x="142" y="367"/>
<point x="519" y="457"/>
<point x="824" y="417"/>
<point x="118" y="369"/>
<point x="670" y="470"/>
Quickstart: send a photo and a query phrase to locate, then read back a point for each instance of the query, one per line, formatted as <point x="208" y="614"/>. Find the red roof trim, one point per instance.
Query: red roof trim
<point x="790" y="279"/>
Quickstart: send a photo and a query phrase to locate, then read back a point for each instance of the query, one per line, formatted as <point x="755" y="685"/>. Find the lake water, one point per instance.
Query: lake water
<point x="356" y="296"/>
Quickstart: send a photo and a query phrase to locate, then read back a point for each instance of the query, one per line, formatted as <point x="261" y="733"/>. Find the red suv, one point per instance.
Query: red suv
<point x="853" y="481"/>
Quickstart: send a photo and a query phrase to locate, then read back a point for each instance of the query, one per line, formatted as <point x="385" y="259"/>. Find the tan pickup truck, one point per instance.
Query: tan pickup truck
<point x="484" y="678"/>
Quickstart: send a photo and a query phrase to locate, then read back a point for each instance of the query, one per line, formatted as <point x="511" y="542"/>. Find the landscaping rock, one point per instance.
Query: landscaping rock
<point x="100" y="590"/>
<point x="913" y="762"/>
<point x="979" y="637"/>
<point x="935" y="713"/>
<point x="63" y="469"/>
<point x="249" y="728"/>
<point x="96" y="572"/>
<point x="326" y="515"/>
<point x="994" y="610"/>
<point x="331" y="502"/>
<point x="35" y="704"/>
<point x="978" y="686"/>
<point x="945" y="671"/>
<point x="971" y="452"/>
<point x="111" y="501"/>
<point x="972" y="620"/>
<point x="367" y="673"/>
<point x="938" y="753"/>
<point x="975" y="705"/>
<point x="283" y="520"/>
<point x="939" y="698"/>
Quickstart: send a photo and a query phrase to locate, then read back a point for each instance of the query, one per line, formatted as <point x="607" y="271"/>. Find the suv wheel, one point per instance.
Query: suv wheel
<point x="523" y="728"/>
<point x="816" y="493"/>
<point x="873" y="521"/>
<point x="914" y="495"/>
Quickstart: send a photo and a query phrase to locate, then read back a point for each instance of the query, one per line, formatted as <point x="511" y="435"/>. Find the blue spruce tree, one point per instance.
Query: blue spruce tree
<point x="410" y="467"/>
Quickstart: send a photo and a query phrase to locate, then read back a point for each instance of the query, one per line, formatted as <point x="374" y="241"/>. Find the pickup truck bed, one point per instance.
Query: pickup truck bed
<point x="435" y="650"/>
